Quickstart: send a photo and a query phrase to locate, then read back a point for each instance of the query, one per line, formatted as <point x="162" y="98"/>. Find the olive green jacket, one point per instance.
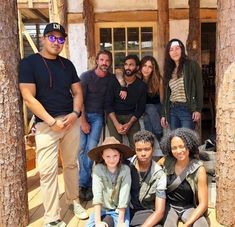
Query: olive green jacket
<point x="105" y="193"/>
<point x="153" y="186"/>
<point x="193" y="89"/>
<point x="191" y="176"/>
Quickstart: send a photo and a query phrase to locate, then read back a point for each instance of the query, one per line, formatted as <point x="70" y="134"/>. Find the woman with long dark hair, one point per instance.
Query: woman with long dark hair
<point x="183" y="88"/>
<point x="151" y="76"/>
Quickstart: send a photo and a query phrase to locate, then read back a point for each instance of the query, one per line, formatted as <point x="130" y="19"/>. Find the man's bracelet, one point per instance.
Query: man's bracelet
<point x="78" y="113"/>
<point x="53" y="123"/>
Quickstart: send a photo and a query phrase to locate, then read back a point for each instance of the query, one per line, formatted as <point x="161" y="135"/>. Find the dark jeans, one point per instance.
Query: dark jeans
<point x="181" y="117"/>
<point x="152" y="119"/>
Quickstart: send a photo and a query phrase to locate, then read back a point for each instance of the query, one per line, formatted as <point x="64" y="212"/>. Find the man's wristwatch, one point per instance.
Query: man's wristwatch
<point x="78" y="113"/>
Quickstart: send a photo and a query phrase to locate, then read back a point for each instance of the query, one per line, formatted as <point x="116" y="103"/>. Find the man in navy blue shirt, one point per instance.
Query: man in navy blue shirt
<point x="51" y="90"/>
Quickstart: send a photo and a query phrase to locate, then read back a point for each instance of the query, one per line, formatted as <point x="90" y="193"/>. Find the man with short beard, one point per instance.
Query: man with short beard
<point x="94" y="85"/>
<point x="123" y="114"/>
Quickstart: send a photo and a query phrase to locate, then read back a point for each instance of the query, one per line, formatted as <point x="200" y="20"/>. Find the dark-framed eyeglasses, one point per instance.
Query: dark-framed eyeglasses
<point x="52" y="39"/>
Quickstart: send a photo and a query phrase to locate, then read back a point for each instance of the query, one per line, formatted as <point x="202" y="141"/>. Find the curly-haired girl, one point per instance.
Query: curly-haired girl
<point x="187" y="196"/>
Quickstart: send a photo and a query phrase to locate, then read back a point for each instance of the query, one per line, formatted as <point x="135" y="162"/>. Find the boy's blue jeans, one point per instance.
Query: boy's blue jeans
<point x="113" y="214"/>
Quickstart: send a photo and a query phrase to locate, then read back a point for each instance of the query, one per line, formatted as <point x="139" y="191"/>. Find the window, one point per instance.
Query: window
<point x="128" y="38"/>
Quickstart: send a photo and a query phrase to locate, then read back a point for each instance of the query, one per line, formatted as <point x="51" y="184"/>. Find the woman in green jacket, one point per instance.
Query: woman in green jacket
<point x="183" y="88"/>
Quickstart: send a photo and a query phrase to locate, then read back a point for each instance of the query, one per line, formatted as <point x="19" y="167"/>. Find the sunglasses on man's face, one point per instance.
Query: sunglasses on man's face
<point x="52" y="39"/>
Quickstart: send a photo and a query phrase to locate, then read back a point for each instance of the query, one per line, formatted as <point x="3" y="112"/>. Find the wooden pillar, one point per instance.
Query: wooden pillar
<point x="193" y="44"/>
<point x="225" y="113"/>
<point x="21" y="41"/>
<point x="89" y="21"/>
<point x="194" y="36"/>
<point x="13" y="181"/>
<point x="58" y="13"/>
<point x="163" y="30"/>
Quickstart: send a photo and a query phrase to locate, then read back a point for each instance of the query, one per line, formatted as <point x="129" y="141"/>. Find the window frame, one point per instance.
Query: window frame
<point x="126" y="25"/>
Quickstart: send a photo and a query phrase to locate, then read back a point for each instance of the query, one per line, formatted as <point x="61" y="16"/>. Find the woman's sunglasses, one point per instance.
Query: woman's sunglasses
<point x="52" y="39"/>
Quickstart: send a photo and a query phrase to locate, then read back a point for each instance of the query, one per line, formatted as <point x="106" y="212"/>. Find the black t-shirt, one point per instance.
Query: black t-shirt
<point x="53" y="79"/>
<point x="182" y="196"/>
<point x="153" y="99"/>
<point x="133" y="104"/>
<point x="135" y="188"/>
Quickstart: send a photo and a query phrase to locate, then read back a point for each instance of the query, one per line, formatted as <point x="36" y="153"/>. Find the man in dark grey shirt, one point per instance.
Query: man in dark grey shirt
<point x="94" y="85"/>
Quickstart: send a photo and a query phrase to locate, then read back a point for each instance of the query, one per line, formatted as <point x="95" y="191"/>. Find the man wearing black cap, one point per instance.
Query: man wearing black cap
<point x="51" y="90"/>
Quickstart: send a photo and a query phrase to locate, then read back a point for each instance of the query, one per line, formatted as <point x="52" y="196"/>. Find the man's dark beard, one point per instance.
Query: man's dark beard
<point x="104" y="68"/>
<point x="129" y="73"/>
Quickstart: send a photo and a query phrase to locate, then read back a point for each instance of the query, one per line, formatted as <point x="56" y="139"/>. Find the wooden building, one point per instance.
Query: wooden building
<point x="123" y="27"/>
<point x="141" y="27"/>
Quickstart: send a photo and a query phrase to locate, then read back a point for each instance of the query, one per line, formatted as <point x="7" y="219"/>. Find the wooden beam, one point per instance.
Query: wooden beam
<point x="35" y="5"/>
<point x="163" y="31"/>
<point x="193" y="44"/>
<point x="30" y="3"/>
<point x="32" y="21"/>
<point x="89" y="21"/>
<point x="194" y="35"/>
<point x="28" y="37"/>
<point x="40" y="15"/>
<point x="25" y="111"/>
<point x="126" y="16"/>
<point x="57" y="13"/>
<point x="178" y="14"/>
<point x="34" y="1"/>
<point x="75" y="18"/>
<point x="20" y="35"/>
<point x="208" y="14"/>
<point x="148" y="15"/>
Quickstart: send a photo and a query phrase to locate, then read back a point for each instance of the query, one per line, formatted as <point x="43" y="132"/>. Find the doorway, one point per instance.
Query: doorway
<point x="208" y="46"/>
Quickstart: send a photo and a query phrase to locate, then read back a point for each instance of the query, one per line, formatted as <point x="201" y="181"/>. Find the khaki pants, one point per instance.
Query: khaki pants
<point x="47" y="147"/>
<point x="123" y="119"/>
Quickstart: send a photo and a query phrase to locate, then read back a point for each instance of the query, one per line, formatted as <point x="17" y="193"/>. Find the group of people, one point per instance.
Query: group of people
<point x="141" y="192"/>
<point x="71" y="112"/>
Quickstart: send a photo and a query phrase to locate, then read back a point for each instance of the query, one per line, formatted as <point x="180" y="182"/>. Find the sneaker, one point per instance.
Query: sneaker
<point x="82" y="193"/>
<point x="89" y="194"/>
<point x="57" y="223"/>
<point x="80" y="212"/>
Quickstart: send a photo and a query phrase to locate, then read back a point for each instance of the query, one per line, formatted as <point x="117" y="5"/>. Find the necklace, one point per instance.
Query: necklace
<point x="143" y="174"/>
<point x="48" y="69"/>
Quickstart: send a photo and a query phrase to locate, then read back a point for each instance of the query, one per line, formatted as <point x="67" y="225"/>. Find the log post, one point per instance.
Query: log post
<point x="225" y="113"/>
<point x="13" y="181"/>
<point x="194" y="36"/>
<point x="162" y="31"/>
<point x="89" y="21"/>
<point x="193" y="44"/>
<point x="58" y="13"/>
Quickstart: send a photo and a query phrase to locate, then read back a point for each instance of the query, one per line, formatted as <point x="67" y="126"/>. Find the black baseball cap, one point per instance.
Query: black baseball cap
<point x="54" y="27"/>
